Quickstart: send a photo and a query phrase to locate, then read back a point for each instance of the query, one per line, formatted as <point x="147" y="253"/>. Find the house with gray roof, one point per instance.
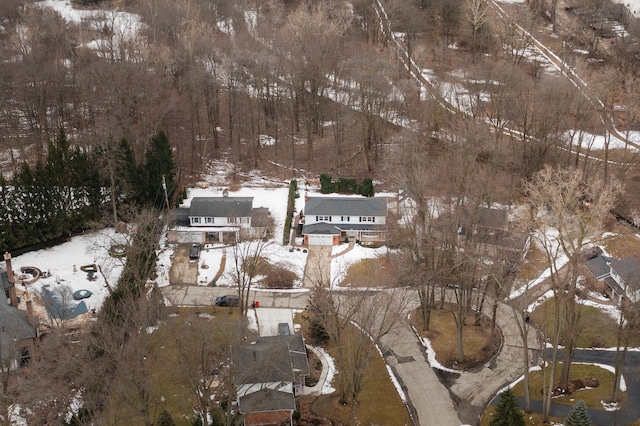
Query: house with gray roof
<point x="270" y="373"/>
<point x="328" y="220"/>
<point x="18" y="328"/>
<point x="618" y="278"/>
<point x="217" y="219"/>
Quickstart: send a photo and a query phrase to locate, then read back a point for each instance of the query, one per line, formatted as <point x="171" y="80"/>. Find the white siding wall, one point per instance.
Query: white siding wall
<point x="345" y="220"/>
<point x="243" y="222"/>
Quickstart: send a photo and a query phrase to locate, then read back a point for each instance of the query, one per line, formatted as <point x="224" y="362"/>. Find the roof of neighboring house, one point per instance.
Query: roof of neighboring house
<point x="260" y="217"/>
<point x="15" y="328"/>
<point x="267" y="399"/>
<point x="614" y="285"/>
<point x="272" y="359"/>
<point x="484" y="216"/>
<point x="629" y="270"/>
<point x="297" y="351"/>
<point x="221" y="207"/>
<point x="179" y="216"/>
<point x="502" y="238"/>
<point x="599" y="267"/>
<point x="321" y="228"/>
<point x="346" y="206"/>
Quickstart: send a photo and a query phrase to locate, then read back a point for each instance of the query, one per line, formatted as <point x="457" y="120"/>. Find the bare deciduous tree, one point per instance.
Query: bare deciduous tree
<point x="568" y="210"/>
<point x="374" y="315"/>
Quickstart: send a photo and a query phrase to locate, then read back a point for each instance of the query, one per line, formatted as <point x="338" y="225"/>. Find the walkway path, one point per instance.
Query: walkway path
<point x="429" y="399"/>
<point x="479" y="387"/>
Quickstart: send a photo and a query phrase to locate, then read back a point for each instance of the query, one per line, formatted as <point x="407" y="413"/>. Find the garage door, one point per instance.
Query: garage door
<point x="320" y="240"/>
<point x="190" y="237"/>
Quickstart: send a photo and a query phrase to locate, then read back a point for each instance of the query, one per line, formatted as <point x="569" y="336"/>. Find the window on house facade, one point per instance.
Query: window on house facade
<point x="323" y="218"/>
<point x="344" y="218"/>
<point x="195" y="220"/>
<point x="367" y="219"/>
<point x="209" y="219"/>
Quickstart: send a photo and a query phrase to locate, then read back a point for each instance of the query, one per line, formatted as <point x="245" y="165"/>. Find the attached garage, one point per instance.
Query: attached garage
<point x="320" y="240"/>
<point x="321" y="234"/>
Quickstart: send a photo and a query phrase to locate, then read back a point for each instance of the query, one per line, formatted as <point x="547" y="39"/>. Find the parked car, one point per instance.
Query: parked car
<point x="228" y="300"/>
<point x="194" y="252"/>
<point x="283" y="329"/>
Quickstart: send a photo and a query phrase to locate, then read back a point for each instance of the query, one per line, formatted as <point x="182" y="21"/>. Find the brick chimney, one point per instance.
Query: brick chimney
<point x="12" y="290"/>
<point x="27" y="299"/>
<point x="7" y="261"/>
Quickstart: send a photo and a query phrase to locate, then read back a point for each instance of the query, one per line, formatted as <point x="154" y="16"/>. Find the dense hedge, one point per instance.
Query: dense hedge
<point x="291" y="205"/>
<point x="345" y="186"/>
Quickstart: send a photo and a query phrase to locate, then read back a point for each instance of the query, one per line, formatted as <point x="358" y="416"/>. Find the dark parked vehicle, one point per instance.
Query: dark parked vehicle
<point x="194" y="252"/>
<point x="228" y="300"/>
<point x="283" y="329"/>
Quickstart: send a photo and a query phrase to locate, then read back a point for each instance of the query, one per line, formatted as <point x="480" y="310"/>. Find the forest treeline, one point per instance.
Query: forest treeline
<point x="70" y="190"/>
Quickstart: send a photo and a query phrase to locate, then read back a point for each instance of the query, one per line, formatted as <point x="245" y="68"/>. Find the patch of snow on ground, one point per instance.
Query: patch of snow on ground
<point x="596" y="142"/>
<point x="340" y="264"/>
<point x="252" y="320"/>
<point x="327" y="389"/>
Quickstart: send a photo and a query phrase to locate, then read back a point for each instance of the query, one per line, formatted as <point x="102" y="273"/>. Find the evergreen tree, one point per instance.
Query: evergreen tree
<point x="578" y="416"/>
<point x="166" y="419"/>
<point x="366" y="188"/>
<point x="507" y="412"/>
<point x="326" y="183"/>
<point x="159" y="163"/>
<point x="133" y="185"/>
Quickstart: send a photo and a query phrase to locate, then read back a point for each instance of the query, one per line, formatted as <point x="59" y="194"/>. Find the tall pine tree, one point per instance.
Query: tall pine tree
<point x="507" y="412"/>
<point x="158" y="164"/>
<point x="578" y="416"/>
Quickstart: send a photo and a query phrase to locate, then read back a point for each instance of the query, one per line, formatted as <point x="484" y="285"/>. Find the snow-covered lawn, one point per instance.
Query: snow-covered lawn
<point x="62" y="263"/>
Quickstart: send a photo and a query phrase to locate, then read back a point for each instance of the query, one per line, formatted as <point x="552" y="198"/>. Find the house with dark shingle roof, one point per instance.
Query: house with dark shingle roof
<point x="270" y="373"/>
<point x="618" y="278"/>
<point x="214" y="219"/>
<point x="18" y="329"/>
<point x="329" y="220"/>
<point x="489" y="229"/>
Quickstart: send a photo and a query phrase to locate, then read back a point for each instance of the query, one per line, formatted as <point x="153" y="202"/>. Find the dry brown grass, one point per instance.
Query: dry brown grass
<point x="378" y="272"/>
<point x="533" y="265"/>
<point x="591" y="397"/>
<point x="623" y="244"/>
<point x="529" y="418"/>
<point x="478" y="342"/>
<point x="379" y="402"/>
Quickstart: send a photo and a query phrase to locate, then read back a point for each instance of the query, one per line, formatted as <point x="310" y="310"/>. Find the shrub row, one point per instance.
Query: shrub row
<point x="291" y="203"/>
<point x="345" y="186"/>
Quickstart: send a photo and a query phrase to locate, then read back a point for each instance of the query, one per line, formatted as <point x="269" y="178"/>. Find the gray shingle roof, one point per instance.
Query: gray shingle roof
<point x="321" y="228"/>
<point x="272" y="359"/>
<point x="486" y="217"/>
<point x="221" y="207"/>
<point x="267" y="400"/>
<point x="629" y="269"/>
<point x="599" y="267"/>
<point x="15" y="327"/>
<point x="347" y="206"/>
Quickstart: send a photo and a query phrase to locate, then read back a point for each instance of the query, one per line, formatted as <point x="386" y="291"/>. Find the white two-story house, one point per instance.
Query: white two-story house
<point x="330" y="220"/>
<point x="215" y="219"/>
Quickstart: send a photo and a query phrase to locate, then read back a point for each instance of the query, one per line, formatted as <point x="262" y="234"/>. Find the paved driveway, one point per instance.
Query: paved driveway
<point x="183" y="270"/>
<point x="317" y="270"/>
